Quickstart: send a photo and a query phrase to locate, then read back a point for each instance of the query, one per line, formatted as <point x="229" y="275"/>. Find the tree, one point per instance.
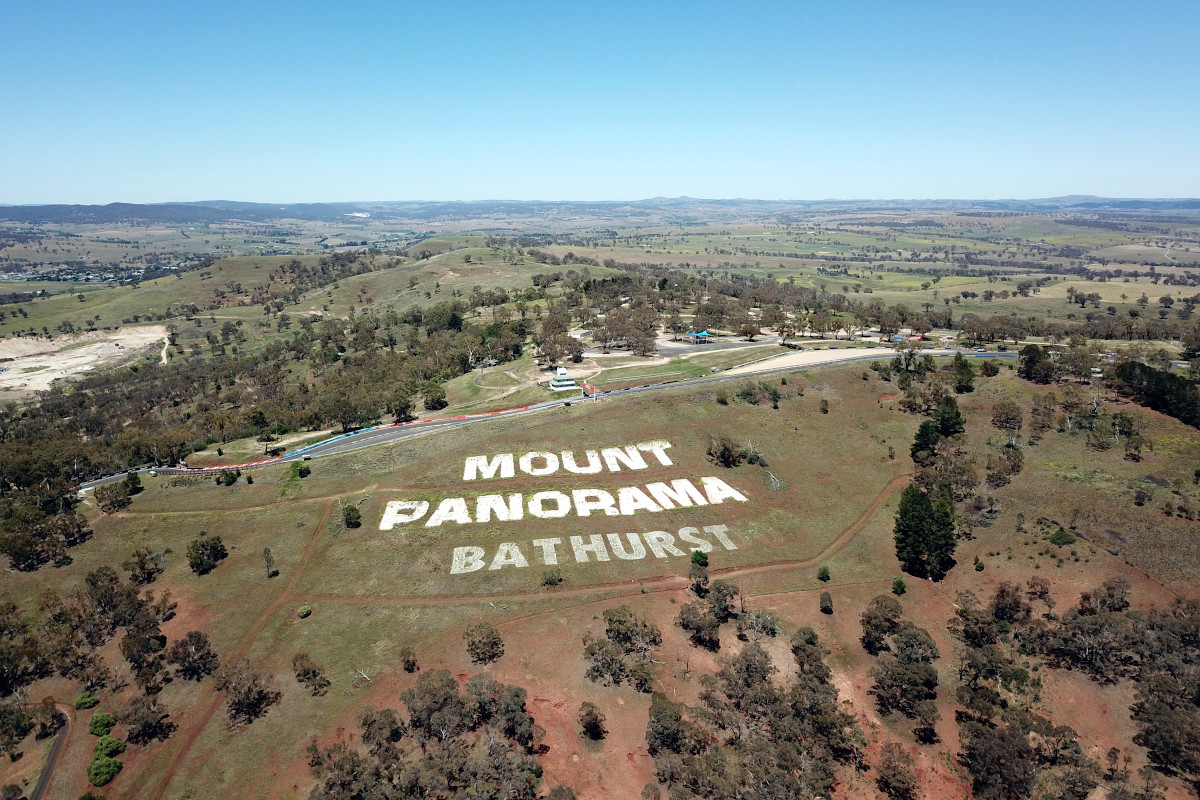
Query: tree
<point x="1008" y="416"/>
<point x="382" y="729"/>
<point x="591" y="721"/>
<point x="145" y="721"/>
<point x="1030" y="357"/>
<point x="483" y="643"/>
<point x="268" y="562"/>
<point x="433" y="395"/>
<point x="826" y="603"/>
<point x="698" y="572"/>
<point x="15" y="725"/>
<point x="193" y="656"/>
<point x="204" y="553"/>
<point x="823" y="575"/>
<point x="703" y="629"/>
<point x="880" y="620"/>
<point x="894" y="775"/>
<point x="309" y="674"/>
<point x="721" y="595"/>
<point x="351" y="516"/>
<point x="924" y="534"/>
<point x="249" y="693"/>
<point x="924" y="447"/>
<point x="756" y="624"/>
<point x="112" y="497"/>
<point x="948" y="418"/>
<point x="143" y="566"/>
<point x="964" y="374"/>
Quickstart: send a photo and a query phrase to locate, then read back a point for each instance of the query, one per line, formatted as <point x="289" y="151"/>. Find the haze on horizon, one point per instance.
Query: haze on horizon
<point x="293" y="103"/>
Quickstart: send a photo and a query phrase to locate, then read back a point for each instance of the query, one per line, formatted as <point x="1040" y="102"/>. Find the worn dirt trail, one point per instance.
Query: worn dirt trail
<point x="196" y="724"/>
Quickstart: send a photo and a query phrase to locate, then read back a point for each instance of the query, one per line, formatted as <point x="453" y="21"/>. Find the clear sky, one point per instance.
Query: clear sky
<point x="301" y="101"/>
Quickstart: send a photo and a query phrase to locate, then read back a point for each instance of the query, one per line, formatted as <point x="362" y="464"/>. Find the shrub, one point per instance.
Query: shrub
<point x="86" y="700"/>
<point x="899" y="587"/>
<point x="102" y="770"/>
<point x="108" y="746"/>
<point x="824" y="406"/>
<point x="101" y="723"/>
<point x="351" y="516"/>
<point x="204" y="553"/>
<point x="591" y="721"/>
<point x="552" y="577"/>
<point x="408" y="659"/>
<point x="826" y="603"/>
<point x="228" y="477"/>
<point x="483" y="643"/>
<point x="1061" y="538"/>
<point x="823" y="575"/>
<point x="303" y="612"/>
<point x="723" y="452"/>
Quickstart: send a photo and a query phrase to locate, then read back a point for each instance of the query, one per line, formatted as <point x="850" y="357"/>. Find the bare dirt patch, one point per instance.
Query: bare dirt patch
<point x="32" y="365"/>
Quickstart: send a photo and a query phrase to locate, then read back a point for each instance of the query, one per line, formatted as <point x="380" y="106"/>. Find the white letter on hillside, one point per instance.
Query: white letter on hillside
<point x="526" y="464"/>
<point x="508" y="555"/>
<point x="661" y="541"/>
<point x="596" y="546"/>
<point x="719" y="531"/>
<point x="488" y="504"/>
<point x="633" y="500"/>
<point x="589" y="500"/>
<point x="466" y="559"/>
<point x="452" y="509"/>
<point x="479" y="465"/>
<point x="549" y="555"/>
<point x="402" y="512"/>
<point x="536" y="510"/>
<point x="618" y="548"/>
<point x="681" y="492"/>
<point x="628" y="456"/>
<point x="719" y="491"/>
<point x="593" y="465"/>
<point x="693" y="536"/>
<point x="658" y="447"/>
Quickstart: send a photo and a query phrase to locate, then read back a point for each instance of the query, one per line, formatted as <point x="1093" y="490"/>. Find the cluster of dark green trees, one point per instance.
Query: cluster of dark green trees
<point x="755" y="735"/>
<point x="925" y="520"/>
<point x="905" y="680"/>
<point x="625" y="652"/>
<point x="478" y="741"/>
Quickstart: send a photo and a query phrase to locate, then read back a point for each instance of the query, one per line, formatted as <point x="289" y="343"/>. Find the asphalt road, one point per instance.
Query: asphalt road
<point x="371" y="437"/>
<point x="60" y="741"/>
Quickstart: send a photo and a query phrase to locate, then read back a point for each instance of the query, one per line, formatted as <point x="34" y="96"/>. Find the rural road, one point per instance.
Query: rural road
<point x="386" y="434"/>
<point x="60" y="741"/>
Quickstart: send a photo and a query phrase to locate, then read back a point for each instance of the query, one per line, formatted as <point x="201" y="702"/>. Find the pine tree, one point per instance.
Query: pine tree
<point x="941" y="542"/>
<point x="913" y="518"/>
<point x="948" y="418"/>
<point x="925" y="443"/>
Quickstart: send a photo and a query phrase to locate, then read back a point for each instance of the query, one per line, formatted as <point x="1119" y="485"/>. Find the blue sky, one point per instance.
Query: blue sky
<point x="298" y="101"/>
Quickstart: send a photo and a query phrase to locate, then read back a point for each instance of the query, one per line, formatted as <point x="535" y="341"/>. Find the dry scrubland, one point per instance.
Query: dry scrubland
<point x="374" y="592"/>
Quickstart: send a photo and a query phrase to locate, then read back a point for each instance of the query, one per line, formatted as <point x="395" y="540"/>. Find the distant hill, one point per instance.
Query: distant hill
<point x="660" y="209"/>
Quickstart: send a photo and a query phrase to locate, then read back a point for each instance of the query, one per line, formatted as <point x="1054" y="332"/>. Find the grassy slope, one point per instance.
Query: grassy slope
<point x="374" y="592"/>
